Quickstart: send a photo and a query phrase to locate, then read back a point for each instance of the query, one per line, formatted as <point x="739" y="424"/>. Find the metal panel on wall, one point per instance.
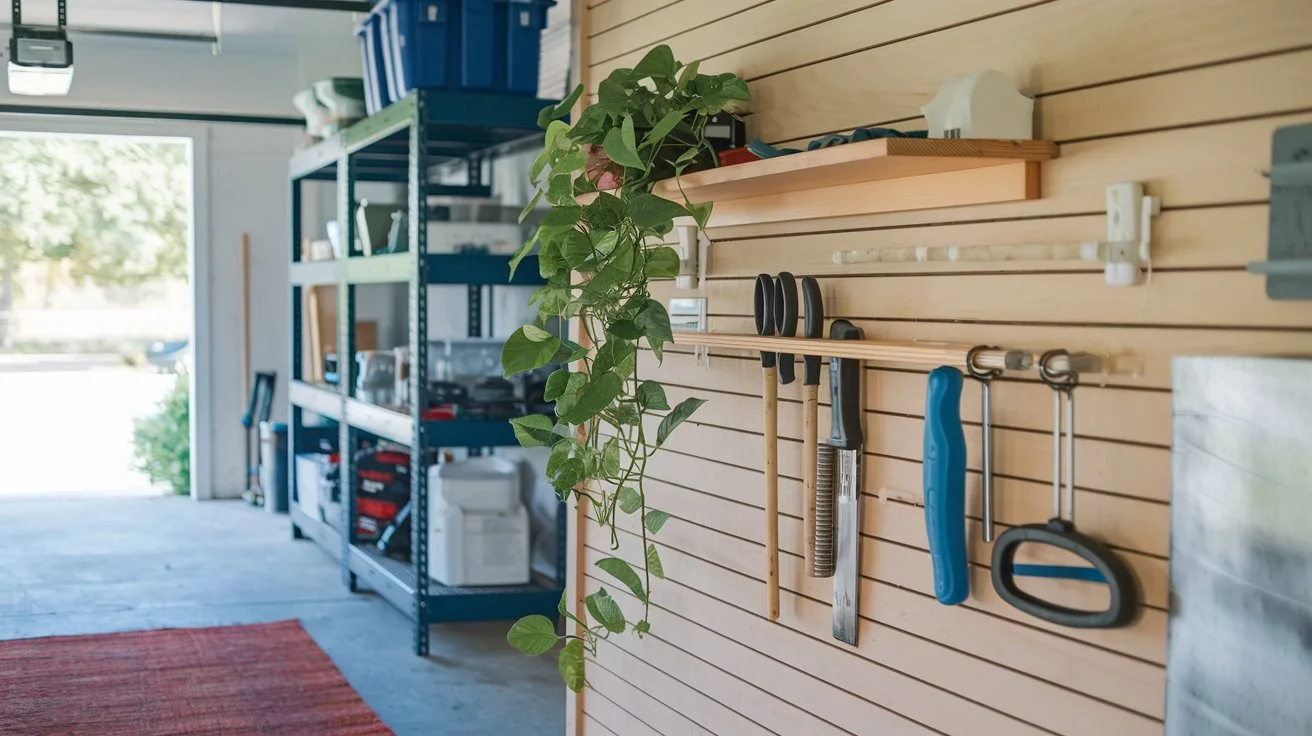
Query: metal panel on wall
<point x="1239" y="658"/>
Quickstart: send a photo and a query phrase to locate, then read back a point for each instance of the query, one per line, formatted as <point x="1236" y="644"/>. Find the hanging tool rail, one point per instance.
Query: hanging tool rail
<point x="905" y="353"/>
<point x="401" y="144"/>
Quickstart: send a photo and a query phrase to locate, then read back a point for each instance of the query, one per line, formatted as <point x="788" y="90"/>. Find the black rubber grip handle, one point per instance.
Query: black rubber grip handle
<point x="785" y="321"/>
<point x="763" y="310"/>
<point x="1123" y="606"/>
<point x="813" y="326"/>
<point x="845" y="392"/>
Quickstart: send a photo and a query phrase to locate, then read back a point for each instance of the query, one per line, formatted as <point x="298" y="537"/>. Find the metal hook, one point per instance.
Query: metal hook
<point x="985" y="378"/>
<point x="1061" y="382"/>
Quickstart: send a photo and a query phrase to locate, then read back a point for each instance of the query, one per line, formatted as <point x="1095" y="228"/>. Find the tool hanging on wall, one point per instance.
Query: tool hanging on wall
<point x="838" y="465"/>
<point x="785" y="321"/>
<point x="817" y="510"/>
<point x="985" y="378"/>
<point x="945" y="486"/>
<point x="764" y="311"/>
<point x="1060" y="532"/>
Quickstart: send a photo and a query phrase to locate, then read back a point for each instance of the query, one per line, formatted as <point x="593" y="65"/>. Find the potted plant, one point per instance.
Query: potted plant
<point x="598" y="248"/>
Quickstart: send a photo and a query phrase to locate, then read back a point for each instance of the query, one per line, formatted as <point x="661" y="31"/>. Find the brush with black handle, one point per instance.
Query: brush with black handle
<point x="838" y="466"/>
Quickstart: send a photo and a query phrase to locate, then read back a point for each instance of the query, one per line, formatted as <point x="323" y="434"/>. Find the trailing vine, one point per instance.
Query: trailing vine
<point x="599" y="246"/>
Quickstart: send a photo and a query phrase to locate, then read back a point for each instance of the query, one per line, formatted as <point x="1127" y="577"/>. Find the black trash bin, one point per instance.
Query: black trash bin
<point x="274" y="456"/>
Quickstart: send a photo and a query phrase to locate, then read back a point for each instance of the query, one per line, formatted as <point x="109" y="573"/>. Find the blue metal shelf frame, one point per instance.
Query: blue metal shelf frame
<point x="399" y="144"/>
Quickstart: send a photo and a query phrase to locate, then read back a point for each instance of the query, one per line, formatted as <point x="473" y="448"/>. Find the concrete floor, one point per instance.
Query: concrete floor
<point x="94" y="564"/>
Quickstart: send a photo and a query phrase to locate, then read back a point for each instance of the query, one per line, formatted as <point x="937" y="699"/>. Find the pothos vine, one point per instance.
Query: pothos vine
<point x="598" y="249"/>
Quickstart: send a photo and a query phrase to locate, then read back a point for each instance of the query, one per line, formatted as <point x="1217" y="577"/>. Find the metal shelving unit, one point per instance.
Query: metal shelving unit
<point x="398" y="145"/>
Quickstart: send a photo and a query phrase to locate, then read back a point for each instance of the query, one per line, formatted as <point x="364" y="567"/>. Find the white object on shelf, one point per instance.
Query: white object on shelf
<point x="312" y="482"/>
<point x="981" y="105"/>
<point x="500" y="238"/>
<point x="478" y="528"/>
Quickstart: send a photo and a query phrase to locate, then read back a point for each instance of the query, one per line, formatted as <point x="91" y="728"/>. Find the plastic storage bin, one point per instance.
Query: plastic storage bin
<point x="370" y="33"/>
<point x="478" y="530"/>
<point x="487" y="45"/>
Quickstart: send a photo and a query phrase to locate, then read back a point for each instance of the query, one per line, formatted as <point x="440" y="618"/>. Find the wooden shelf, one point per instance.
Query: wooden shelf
<point x="885" y="175"/>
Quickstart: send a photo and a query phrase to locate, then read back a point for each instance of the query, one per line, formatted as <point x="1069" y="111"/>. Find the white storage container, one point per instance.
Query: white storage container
<point x="478" y="529"/>
<point x="478" y="548"/>
<point x="311" y="482"/>
<point x="476" y="484"/>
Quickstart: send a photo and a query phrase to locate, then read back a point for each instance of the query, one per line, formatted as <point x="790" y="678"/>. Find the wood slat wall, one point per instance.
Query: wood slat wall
<point x="1182" y="95"/>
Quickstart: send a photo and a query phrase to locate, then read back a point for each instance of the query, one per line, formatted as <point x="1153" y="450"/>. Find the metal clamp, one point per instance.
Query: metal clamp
<point x="985" y="377"/>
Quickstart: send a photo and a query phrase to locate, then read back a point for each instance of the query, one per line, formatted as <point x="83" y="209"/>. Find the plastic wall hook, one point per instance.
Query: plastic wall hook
<point x="692" y="257"/>
<point x="1129" y="233"/>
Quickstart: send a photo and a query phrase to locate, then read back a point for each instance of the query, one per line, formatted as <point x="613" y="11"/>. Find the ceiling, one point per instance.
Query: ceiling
<point x="236" y="22"/>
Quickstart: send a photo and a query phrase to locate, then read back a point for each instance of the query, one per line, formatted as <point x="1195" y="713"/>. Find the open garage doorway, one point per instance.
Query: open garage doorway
<point x="96" y="237"/>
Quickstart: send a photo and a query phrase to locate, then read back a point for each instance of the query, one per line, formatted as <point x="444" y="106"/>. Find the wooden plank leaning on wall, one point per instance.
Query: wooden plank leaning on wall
<point x="1182" y="96"/>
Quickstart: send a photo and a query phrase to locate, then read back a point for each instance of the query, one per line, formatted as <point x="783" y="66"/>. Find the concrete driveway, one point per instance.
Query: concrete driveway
<point x="69" y="431"/>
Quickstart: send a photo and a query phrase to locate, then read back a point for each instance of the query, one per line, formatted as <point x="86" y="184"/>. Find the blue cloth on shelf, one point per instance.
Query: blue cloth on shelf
<point x="765" y="150"/>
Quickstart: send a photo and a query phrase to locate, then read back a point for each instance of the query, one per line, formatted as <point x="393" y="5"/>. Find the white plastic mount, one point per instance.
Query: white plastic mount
<point x="692" y="257"/>
<point x="1129" y="233"/>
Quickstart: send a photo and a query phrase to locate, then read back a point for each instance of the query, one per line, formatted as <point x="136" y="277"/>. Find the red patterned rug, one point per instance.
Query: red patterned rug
<point x="266" y="679"/>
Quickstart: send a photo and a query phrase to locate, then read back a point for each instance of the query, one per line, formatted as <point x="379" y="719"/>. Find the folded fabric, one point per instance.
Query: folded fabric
<point x="765" y="150"/>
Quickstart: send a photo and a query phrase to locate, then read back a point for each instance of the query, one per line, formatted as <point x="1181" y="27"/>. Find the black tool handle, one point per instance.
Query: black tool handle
<point x="1124" y="600"/>
<point x="845" y="391"/>
<point x="763" y="310"/>
<point x="813" y="326"/>
<point x="785" y="320"/>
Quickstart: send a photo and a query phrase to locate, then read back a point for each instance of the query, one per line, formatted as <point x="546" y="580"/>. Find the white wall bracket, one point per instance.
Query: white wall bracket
<point x="1128" y="248"/>
<point x="692" y="248"/>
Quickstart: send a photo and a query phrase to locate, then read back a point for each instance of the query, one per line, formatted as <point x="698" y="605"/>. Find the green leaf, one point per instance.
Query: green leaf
<point x="600" y="392"/>
<point x="550" y="262"/>
<point x="624" y="414"/>
<point x="642" y="627"/>
<point x="654" y="565"/>
<point x="556" y="383"/>
<point x="621" y="571"/>
<point x="662" y="128"/>
<point x="533" y="635"/>
<point x="578" y="252"/>
<point x="612" y="355"/>
<point x="535" y="333"/>
<point x="651" y="395"/>
<point x="571" y="665"/>
<point x="605" y="611"/>
<point x="662" y="263"/>
<point x="649" y="211"/>
<point x="560" y="189"/>
<point x="620" y="147"/>
<point x="688" y="155"/>
<point x="520" y="254"/>
<point x="521" y="353"/>
<point x="701" y="213"/>
<point x="655" y="520"/>
<point x="561" y="218"/>
<point x="625" y="329"/>
<point x="560" y="454"/>
<point x="655" y="321"/>
<point x="657" y="348"/>
<point x="659" y="62"/>
<point x="610" y="458"/>
<point x="531" y="206"/>
<point x="604" y="241"/>
<point x="688" y="74"/>
<point x="569" y="473"/>
<point x="676" y="417"/>
<point x="534" y="430"/>
<point x="569" y="396"/>
<point x="630" y="500"/>
<point x="612" y="91"/>
<point x="568" y="353"/>
<point x="606" y="211"/>
<point x="559" y="110"/>
<point x="584" y="185"/>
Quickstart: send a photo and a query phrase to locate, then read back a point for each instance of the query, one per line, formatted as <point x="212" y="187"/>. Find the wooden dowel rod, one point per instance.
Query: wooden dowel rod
<point x="907" y="353"/>
<point x="770" y="390"/>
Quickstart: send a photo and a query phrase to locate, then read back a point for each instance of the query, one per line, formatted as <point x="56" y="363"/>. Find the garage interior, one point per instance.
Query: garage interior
<point x="755" y="366"/>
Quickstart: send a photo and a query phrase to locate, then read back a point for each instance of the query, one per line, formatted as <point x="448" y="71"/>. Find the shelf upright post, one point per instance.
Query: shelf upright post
<point x="346" y="361"/>
<point x="297" y="371"/>
<point x="418" y="223"/>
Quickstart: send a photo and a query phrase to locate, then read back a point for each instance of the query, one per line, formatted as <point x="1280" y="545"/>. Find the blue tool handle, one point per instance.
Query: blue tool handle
<point x="1061" y="572"/>
<point x="945" y="486"/>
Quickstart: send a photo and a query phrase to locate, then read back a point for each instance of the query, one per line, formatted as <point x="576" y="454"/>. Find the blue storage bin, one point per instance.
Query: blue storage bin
<point x="519" y="47"/>
<point x="483" y="45"/>
<point x="376" y="94"/>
